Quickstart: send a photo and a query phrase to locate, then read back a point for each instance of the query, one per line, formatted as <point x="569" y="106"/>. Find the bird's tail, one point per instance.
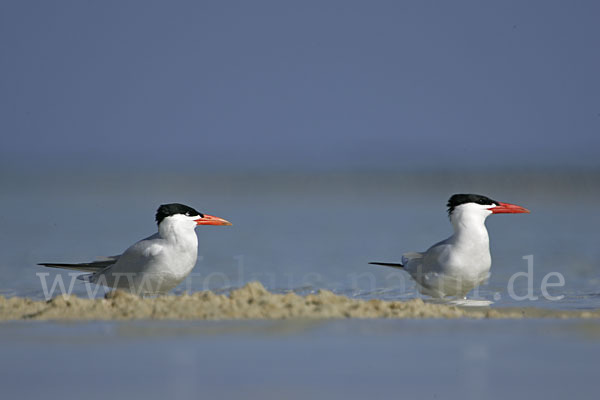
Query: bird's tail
<point x="393" y="265"/>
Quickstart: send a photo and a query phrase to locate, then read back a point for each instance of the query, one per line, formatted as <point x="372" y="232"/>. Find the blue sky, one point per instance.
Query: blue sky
<point x="282" y="85"/>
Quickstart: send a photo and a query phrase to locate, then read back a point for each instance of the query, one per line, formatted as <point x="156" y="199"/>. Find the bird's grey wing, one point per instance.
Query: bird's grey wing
<point x="93" y="266"/>
<point x="436" y="257"/>
<point x="139" y="256"/>
<point x="107" y="262"/>
<point x="413" y="255"/>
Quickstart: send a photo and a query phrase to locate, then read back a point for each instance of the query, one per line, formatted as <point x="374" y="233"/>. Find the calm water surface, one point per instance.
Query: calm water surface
<point x="352" y="359"/>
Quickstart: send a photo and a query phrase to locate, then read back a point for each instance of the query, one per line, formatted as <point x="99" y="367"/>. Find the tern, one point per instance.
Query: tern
<point x="455" y="266"/>
<point x="157" y="263"/>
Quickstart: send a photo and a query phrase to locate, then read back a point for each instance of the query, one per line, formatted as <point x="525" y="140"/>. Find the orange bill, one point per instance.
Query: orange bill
<point x="507" y="208"/>
<point x="211" y="220"/>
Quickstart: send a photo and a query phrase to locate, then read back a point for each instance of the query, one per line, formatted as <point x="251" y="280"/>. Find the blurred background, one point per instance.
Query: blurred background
<point x="276" y="86"/>
<point x="331" y="133"/>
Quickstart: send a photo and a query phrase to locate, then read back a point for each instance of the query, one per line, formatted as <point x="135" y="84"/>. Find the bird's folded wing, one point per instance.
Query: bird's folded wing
<point x="93" y="266"/>
<point x="407" y="257"/>
<point x="386" y="264"/>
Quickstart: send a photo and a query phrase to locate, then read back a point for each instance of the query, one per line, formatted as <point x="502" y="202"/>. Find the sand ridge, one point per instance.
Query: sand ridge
<point x="252" y="301"/>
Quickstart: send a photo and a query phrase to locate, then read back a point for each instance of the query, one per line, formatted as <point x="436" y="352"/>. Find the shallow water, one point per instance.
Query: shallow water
<point x="303" y="232"/>
<point x="417" y="359"/>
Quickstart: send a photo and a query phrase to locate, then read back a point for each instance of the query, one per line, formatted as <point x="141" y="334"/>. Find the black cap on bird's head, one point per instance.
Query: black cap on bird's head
<point x="459" y="199"/>
<point x="168" y="210"/>
<point x="496" y="207"/>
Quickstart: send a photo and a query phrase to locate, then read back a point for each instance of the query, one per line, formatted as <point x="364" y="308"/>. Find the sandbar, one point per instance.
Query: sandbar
<point x="253" y="301"/>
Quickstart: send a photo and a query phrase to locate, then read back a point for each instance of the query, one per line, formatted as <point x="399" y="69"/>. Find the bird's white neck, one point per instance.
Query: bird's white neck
<point x="179" y="232"/>
<point x="469" y="227"/>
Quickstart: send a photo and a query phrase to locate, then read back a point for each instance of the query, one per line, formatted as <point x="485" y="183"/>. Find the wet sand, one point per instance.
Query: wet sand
<point x="252" y="301"/>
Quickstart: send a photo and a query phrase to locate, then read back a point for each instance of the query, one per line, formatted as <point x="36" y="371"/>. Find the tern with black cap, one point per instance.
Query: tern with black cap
<point x="157" y="263"/>
<point x="457" y="265"/>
